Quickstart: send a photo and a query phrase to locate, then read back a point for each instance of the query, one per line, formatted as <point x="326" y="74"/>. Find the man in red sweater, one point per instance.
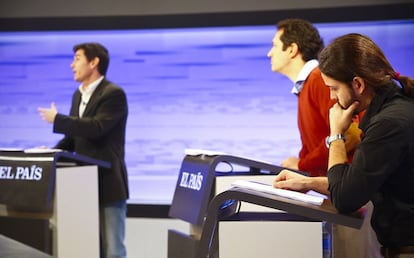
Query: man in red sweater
<point x="294" y="53"/>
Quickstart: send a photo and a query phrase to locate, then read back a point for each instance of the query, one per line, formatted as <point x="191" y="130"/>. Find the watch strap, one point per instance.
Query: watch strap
<point x="333" y="138"/>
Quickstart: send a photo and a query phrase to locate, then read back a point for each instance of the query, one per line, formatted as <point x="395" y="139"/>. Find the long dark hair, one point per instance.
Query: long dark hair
<point x="357" y="55"/>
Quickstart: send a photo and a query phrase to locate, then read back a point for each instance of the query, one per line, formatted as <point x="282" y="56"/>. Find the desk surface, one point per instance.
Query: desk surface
<point x="324" y="212"/>
<point x="305" y="211"/>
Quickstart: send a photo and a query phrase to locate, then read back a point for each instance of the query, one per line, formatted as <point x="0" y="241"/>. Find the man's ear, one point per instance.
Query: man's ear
<point x="94" y="63"/>
<point x="294" y="50"/>
<point x="358" y="85"/>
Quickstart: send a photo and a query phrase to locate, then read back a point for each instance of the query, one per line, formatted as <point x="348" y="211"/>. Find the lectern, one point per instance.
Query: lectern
<point x="197" y="202"/>
<point x="59" y="186"/>
<point x="195" y="184"/>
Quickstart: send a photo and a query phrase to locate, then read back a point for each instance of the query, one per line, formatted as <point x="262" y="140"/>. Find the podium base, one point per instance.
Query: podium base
<point x="11" y="248"/>
<point x="40" y="236"/>
<point x="181" y="245"/>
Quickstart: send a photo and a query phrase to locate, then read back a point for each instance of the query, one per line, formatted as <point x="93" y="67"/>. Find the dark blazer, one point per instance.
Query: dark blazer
<point x="99" y="134"/>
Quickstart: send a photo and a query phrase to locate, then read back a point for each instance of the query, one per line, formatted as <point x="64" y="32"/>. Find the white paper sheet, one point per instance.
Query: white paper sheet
<point x="265" y="188"/>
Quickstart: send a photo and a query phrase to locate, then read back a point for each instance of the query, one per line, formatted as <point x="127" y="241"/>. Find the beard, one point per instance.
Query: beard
<point x="347" y="104"/>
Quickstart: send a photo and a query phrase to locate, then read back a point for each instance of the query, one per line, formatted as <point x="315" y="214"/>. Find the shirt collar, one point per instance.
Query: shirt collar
<point x="303" y="75"/>
<point x="91" y="87"/>
<point x="381" y="97"/>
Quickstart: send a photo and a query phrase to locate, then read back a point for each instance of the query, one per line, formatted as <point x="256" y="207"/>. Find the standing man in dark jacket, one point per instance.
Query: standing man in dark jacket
<point x="95" y="127"/>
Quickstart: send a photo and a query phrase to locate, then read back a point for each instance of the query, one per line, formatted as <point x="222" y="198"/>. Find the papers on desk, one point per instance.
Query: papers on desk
<point x="265" y="188"/>
<point x="196" y="152"/>
<point x="41" y="150"/>
<point x="11" y="149"/>
<point x="30" y="150"/>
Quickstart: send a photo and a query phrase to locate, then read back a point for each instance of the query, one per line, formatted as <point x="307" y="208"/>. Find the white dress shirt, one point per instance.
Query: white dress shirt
<point x="303" y="75"/>
<point x="87" y="93"/>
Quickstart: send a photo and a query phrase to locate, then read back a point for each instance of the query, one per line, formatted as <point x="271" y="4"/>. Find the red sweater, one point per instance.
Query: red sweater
<point x="313" y="122"/>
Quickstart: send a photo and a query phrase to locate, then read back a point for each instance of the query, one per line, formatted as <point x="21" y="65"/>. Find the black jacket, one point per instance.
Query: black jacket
<point x="99" y="134"/>
<point x="382" y="169"/>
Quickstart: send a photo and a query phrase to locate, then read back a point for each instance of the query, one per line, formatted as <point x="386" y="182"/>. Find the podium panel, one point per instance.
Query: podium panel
<point x="59" y="187"/>
<point x="195" y="184"/>
<point x="280" y="238"/>
<point x="193" y="189"/>
<point x="270" y="239"/>
<point x="77" y="212"/>
<point x="27" y="181"/>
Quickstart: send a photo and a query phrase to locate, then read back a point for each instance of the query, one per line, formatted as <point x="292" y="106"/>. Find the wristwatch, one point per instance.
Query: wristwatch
<point x="330" y="139"/>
